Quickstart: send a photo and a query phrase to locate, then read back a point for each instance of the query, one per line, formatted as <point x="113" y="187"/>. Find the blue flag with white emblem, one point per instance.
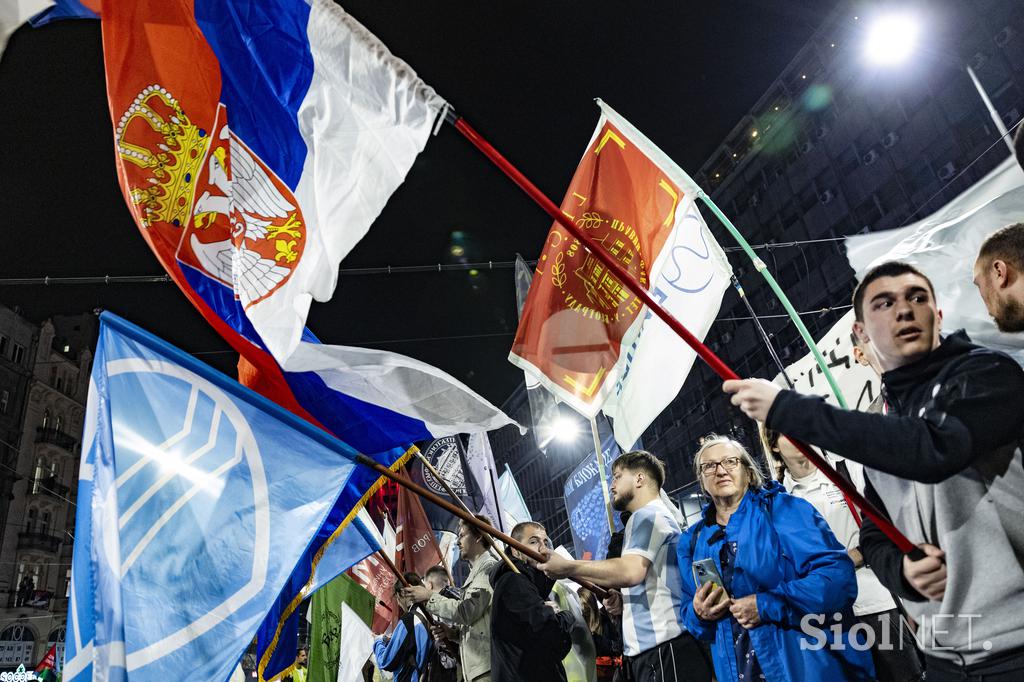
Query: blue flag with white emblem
<point x="196" y="499"/>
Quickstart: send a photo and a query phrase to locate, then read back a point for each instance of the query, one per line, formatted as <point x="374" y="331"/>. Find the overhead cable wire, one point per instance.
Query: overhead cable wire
<point x="376" y="270"/>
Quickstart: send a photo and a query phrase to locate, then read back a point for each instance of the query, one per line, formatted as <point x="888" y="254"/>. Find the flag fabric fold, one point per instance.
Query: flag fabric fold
<point x="583" y="333"/>
<point x="355" y="645"/>
<point x="484" y="472"/>
<point x="513" y="506"/>
<point x="543" y="407"/>
<point x="416" y="546"/>
<point x="346" y="538"/>
<point x="188" y="525"/>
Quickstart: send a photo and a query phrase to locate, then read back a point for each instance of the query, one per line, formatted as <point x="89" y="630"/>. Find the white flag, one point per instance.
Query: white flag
<point x="355" y="645"/>
<point x="690" y="287"/>
<point x="945" y="245"/>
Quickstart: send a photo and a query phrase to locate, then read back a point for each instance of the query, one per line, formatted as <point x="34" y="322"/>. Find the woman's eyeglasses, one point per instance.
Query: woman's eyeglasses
<point x="729" y="464"/>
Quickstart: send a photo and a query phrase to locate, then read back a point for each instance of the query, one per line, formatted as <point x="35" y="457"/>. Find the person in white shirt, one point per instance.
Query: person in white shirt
<point x="892" y="644"/>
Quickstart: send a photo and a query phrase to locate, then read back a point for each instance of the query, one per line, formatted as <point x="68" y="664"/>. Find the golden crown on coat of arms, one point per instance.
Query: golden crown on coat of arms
<point x="156" y="135"/>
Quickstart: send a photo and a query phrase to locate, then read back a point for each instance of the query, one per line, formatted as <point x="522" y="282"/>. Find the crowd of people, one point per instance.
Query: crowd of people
<point x="782" y="577"/>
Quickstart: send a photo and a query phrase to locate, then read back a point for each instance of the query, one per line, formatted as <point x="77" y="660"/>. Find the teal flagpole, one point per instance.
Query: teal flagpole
<point x="662" y="159"/>
<point x="760" y="266"/>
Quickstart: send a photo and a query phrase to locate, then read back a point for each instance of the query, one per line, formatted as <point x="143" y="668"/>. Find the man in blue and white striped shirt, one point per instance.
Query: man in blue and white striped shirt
<point x="657" y="648"/>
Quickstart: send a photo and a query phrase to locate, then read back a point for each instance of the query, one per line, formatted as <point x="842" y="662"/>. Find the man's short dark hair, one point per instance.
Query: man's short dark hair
<point x="413" y="579"/>
<point x="519" y="530"/>
<point x="641" y="460"/>
<point x="436" y="570"/>
<point x="473" y="530"/>
<point x="1018" y="145"/>
<point x="893" y="268"/>
<point x="1005" y="244"/>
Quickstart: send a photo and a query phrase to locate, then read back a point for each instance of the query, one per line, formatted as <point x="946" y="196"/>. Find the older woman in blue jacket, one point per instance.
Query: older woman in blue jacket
<point x="787" y="580"/>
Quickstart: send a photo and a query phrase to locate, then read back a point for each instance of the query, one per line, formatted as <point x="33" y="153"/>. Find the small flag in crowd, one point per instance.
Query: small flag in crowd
<point x="336" y="612"/>
<point x="48" y="669"/>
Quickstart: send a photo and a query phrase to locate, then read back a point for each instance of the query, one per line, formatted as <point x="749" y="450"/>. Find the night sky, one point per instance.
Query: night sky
<point x="523" y="74"/>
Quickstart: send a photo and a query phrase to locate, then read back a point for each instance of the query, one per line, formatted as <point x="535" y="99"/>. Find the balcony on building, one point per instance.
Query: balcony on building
<point x="56" y="437"/>
<point x="32" y="540"/>
<point x="49" y="487"/>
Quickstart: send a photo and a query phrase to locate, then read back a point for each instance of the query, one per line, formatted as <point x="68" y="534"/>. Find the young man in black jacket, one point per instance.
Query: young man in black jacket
<point x="945" y="461"/>
<point x="529" y="635"/>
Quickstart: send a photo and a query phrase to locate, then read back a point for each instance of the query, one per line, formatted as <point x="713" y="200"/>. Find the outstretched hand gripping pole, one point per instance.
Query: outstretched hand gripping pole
<point x="705" y="353"/>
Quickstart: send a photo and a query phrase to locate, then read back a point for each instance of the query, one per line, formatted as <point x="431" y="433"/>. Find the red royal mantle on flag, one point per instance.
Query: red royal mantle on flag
<point x="577" y="314"/>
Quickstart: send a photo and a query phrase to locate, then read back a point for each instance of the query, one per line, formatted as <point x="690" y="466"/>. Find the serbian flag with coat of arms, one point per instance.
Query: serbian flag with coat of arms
<point x="582" y="332"/>
<point x="256" y="143"/>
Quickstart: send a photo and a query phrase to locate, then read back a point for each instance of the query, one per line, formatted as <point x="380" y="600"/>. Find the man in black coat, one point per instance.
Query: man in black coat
<point x="529" y="635"/>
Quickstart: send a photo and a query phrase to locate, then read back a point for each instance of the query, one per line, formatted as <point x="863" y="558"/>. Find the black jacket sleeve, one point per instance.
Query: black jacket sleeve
<point x="535" y="620"/>
<point x="975" y="410"/>
<point x="882" y="555"/>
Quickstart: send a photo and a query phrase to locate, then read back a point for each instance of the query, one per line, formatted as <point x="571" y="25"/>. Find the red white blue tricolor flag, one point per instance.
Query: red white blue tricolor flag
<point x="256" y="142"/>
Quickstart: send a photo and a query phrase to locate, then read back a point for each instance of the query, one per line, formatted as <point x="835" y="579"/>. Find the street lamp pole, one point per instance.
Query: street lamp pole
<point x="1000" y="126"/>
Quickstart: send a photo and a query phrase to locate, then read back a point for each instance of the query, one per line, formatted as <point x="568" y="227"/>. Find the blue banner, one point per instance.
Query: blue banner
<point x="584" y="499"/>
<point x="196" y="499"/>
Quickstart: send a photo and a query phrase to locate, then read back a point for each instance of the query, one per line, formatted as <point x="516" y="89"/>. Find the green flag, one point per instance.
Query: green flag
<point x="325" y="630"/>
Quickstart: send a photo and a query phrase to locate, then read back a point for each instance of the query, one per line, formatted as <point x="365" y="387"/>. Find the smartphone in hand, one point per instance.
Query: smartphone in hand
<point x="704" y="572"/>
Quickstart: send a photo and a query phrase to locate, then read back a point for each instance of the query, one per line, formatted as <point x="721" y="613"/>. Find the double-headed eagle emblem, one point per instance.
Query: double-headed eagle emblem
<point x="244" y="230"/>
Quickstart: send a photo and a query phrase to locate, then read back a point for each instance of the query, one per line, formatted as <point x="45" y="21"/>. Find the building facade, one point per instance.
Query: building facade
<point x="38" y="534"/>
<point x="834" y="147"/>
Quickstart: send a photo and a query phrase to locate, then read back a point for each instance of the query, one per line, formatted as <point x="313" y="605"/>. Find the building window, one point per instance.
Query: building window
<point x="67" y="584"/>
<point x="17" y="353"/>
<point x="5" y="399"/>
<point x="4" y="344"/>
<point x="17" y="644"/>
<point x="46" y="419"/>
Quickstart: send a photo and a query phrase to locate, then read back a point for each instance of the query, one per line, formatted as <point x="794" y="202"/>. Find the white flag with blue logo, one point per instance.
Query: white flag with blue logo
<point x="196" y="498"/>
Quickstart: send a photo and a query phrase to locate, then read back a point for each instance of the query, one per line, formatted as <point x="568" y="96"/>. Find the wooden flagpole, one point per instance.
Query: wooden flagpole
<point x="488" y="540"/>
<point x="466" y="516"/>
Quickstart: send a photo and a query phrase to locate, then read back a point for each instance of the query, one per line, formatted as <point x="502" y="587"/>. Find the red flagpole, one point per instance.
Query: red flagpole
<point x="720" y="368"/>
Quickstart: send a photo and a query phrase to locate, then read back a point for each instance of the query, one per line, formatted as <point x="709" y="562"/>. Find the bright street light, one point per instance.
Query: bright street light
<point x="565" y="429"/>
<point x="892" y="38"/>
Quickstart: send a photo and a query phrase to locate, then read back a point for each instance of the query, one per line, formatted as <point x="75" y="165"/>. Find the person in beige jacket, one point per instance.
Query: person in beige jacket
<point x="470" y="616"/>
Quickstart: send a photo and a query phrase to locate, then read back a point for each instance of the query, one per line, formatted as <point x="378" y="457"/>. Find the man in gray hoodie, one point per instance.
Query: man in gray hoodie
<point x="945" y="462"/>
